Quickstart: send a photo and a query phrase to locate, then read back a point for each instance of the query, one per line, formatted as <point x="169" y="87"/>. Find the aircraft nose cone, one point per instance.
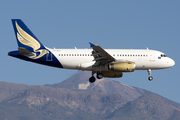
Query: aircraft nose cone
<point x="171" y="62"/>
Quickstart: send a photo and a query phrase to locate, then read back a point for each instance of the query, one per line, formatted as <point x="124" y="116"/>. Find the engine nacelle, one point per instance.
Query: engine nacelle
<point x="112" y="74"/>
<point x="122" y="66"/>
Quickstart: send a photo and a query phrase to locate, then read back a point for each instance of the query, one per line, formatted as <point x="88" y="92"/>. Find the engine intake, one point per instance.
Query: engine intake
<point x="122" y="66"/>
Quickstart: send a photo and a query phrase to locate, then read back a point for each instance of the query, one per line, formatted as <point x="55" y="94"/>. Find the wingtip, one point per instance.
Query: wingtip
<point x="91" y="45"/>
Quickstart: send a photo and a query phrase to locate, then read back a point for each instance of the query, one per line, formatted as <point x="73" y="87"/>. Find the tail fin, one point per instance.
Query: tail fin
<point x="30" y="48"/>
<point x="27" y="41"/>
<point x="25" y="38"/>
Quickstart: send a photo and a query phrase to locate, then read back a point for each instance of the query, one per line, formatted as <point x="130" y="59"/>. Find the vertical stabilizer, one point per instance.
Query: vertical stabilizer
<point x="25" y="38"/>
<point x="30" y="48"/>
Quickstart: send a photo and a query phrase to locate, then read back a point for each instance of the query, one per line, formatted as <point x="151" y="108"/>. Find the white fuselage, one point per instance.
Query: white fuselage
<point x="83" y="60"/>
<point x="104" y="62"/>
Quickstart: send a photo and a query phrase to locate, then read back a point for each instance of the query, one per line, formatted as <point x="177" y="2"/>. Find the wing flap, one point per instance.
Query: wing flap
<point x="100" y="55"/>
<point x="103" y="57"/>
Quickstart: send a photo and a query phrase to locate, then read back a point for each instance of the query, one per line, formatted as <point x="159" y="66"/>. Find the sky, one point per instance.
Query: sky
<point x="117" y="24"/>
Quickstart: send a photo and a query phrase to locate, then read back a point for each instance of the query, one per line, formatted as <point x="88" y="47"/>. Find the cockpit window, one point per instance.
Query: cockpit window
<point x="163" y="55"/>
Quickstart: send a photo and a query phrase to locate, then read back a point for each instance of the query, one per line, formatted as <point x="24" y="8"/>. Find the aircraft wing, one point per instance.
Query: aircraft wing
<point x="100" y="55"/>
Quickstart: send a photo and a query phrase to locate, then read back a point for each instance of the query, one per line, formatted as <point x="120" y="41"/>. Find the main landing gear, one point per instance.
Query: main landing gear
<point x="93" y="79"/>
<point x="99" y="75"/>
<point x="150" y="78"/>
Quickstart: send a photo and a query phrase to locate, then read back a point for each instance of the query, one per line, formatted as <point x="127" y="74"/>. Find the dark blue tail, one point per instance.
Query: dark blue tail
<point x="25" y="38"/>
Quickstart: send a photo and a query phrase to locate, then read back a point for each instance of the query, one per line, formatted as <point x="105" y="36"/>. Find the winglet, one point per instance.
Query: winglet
<point x="91" y="45"/>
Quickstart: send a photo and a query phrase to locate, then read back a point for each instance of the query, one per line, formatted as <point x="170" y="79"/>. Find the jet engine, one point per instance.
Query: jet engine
<point x="112" y="74"/>
<point x="122" y="66"/>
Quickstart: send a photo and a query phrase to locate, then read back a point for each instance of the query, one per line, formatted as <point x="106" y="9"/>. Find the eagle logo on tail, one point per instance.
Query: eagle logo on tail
<point x="26" y="39"/>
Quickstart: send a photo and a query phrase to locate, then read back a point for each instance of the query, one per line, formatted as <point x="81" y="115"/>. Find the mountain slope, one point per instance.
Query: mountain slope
<point x="147" y="107"/>
<point x="8" y="89"/>
<point x="107" y="86"/>
<point x="103" y="100"/>
<point x="47" y="101"/>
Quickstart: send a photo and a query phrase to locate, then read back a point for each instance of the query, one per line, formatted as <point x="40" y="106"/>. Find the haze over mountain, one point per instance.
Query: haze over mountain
<point x="77" y="99"/>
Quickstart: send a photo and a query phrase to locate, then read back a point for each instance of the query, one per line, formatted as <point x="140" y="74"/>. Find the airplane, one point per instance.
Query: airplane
<point x="110" y="63"/>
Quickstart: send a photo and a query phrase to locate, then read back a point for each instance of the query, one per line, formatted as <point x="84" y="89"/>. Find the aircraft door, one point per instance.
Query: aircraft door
<point x="151" y="56"/>
<point x="48" y="56"/>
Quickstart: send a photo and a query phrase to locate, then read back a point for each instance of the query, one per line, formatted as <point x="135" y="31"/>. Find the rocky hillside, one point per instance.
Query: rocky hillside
<point x="57" y="103"/>
<point x="76" y="99"/>
<point x="147" y="107"/>
<point x="107" y="86"/>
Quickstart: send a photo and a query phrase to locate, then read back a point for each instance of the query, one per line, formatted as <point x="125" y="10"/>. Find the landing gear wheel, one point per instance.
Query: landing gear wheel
<point x="150" y="78"/>
<point x="149" y="73"/>
<point x="99" y="75"/>
<point x="92" y="79"/>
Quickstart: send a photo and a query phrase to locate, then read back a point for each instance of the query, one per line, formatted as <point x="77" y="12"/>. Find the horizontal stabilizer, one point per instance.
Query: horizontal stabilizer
<point x="26" y="52"/>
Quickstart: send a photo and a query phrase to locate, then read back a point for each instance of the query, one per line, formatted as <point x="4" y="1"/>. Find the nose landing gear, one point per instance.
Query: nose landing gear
<point x="150" y="78"/>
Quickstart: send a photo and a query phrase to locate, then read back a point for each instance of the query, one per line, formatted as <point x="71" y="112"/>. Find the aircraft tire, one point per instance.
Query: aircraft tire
<point x="99" y="75"/>
<point x="92" y="79"/>
<point x="150" y="78"/>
